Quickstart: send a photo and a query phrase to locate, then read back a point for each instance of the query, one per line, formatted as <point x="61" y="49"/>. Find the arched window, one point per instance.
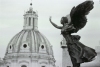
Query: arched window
<point x="33" y="20"/>
<point x="42" y="46"/>
<point x="23" y="66"/>
<point x="29" y="21"/>
<point x="10" y="46"/>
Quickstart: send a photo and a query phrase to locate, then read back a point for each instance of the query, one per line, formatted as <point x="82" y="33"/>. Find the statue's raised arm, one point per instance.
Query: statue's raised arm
<point x="58" y="27"/>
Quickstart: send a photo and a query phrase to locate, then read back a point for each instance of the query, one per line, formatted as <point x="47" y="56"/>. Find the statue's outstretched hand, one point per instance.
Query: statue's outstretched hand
<point x="56" y="26"/>
<point x="50" y="19"/>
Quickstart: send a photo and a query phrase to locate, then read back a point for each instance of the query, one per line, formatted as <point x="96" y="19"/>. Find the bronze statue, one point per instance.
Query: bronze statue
<point x="72" y="23"/>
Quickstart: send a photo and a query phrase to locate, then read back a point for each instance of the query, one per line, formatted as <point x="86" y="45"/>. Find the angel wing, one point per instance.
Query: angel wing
<point x="78" y="14"/>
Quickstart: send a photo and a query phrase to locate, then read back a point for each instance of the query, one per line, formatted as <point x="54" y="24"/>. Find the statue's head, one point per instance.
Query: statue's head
<point x="64" y="20"/>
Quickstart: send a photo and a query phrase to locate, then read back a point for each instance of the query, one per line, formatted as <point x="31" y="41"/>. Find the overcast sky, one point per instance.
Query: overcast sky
<point x="11" y="22"/>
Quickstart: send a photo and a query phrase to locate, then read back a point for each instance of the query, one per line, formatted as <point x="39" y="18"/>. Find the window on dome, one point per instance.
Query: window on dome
<point x="24" y="45"/>
<point x="10" y="47"/>
<point x="23" y="66"/>
<point x="29" y="21"/>
<point x="43" y="66"/>
<point x="61" y="43"/>
<point x="42" y="46"/>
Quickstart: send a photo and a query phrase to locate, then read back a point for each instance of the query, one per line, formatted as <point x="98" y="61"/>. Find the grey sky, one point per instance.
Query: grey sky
<point x="11" y="22"/>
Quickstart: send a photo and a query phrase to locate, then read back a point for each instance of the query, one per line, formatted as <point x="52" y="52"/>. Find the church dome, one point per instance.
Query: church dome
<point x="29" y="41"/>
<point x="29" y="47"/>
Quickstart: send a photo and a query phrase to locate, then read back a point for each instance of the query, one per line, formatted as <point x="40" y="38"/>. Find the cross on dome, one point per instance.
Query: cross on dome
<point x="31" y="3"/>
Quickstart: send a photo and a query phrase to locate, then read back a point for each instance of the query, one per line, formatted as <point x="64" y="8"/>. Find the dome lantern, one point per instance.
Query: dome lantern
<point x="30" y="19"/>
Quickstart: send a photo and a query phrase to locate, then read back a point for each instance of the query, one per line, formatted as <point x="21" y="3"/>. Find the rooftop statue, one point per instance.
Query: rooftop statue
<point x="72" y="23"/>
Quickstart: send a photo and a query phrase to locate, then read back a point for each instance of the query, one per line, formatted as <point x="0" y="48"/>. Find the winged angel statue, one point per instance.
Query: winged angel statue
<point x="72" y="23"/>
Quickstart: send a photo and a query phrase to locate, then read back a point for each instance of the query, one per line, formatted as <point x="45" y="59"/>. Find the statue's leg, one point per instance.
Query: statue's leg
<point x="74" y="62"/>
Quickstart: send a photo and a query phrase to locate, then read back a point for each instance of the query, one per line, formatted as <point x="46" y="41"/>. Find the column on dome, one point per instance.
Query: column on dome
<point x="35" y="23"/>
<point x="31" y="21"/>
<point x="27" y="20"/>
<point x="24" y="22"/>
